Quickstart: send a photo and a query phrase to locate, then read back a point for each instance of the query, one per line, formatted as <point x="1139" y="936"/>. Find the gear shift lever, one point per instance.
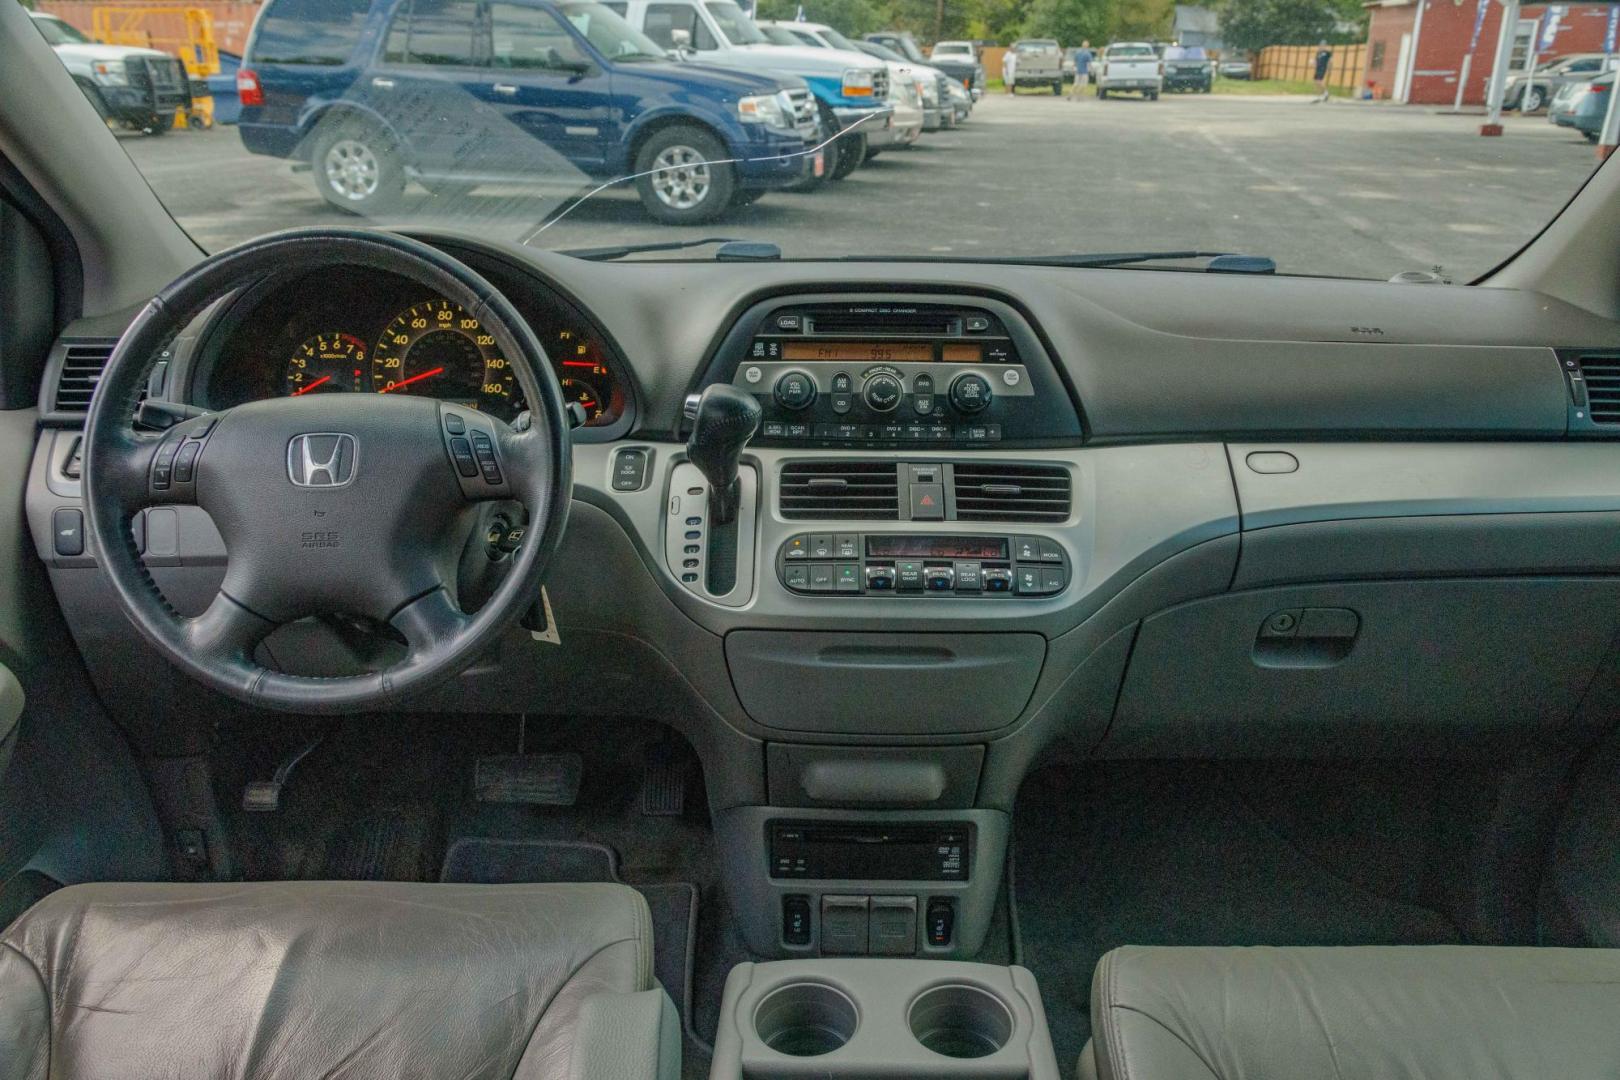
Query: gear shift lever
<point x="723" y="419"/>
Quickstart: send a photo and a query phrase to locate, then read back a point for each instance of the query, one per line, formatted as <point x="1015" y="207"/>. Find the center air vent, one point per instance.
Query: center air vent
<point x="987" y="492"/>
<point x="1602" y="376"/>
<point x="849" y="490"/>
<point x="82" y="365"/>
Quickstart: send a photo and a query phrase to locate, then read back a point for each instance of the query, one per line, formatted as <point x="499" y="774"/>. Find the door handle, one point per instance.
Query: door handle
<point x="383" y="84"/>
<point x="504" y="89"/>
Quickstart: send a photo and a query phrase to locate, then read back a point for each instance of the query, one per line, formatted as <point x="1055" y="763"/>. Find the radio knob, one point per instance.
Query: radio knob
<point x="882" y="392"/>
<point x="970" y="393"/>
<point x="795" y="390"/>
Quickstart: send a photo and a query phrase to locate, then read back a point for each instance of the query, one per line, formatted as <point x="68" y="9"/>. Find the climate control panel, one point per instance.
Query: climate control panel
<point x="909" y="564"/>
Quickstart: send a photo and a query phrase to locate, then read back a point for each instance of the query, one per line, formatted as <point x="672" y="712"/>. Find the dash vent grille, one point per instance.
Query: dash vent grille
<point x="848" y="490"/>
<point x="996" y="492"/>
<point x="1602" y="375"/>
<point x="82" y="365"/>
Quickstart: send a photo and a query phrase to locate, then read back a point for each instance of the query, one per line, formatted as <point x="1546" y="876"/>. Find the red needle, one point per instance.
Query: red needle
<point x="313" y="385"/>
<point x="414" y="378"/>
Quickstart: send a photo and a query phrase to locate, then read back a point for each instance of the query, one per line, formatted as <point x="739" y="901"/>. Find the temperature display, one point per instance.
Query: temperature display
<point x="936" y="547"/>
<point x="859" y="352"/>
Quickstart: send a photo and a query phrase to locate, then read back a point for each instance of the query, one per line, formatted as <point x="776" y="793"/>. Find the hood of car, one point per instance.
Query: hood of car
<point x="94" y="52"/>
<point x="706" y="73"/>
<point x="800" y="60"/>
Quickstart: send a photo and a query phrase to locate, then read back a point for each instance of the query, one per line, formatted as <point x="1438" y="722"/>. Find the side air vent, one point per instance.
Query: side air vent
<point x="1602" y="376"/>
<point x="1011" y="492"/>
<point x="853" y="490"/>
<point x="82" y="365"/>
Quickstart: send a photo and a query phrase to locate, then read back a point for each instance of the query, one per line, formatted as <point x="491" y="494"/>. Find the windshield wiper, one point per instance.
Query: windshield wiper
<point x="731" y="251"/>
<point x="1220" y="262"/>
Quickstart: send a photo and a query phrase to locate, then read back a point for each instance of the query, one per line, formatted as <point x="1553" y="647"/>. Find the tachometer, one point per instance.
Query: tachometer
<point x="327" y="363"/>
<point x="437" y="349"/>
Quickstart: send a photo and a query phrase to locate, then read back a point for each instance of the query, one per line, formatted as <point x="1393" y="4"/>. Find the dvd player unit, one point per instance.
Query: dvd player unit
<point x="845" y="851"/>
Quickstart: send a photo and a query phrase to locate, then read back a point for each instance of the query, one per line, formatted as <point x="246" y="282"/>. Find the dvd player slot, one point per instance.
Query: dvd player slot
<point x="919" y="324"/>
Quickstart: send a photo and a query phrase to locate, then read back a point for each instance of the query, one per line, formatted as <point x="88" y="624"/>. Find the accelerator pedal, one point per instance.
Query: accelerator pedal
<point x="663" y="781"/>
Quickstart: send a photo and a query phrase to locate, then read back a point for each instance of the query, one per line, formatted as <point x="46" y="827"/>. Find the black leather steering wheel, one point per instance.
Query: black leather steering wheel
<point x="334" y="503"/>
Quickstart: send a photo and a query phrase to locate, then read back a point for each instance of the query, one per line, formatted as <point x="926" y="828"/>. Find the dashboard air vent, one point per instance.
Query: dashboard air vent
<point x="1602" y="375"/>
<point x="82" y="365"/>
<point x="988" y="492"/>
<point x="853" y="490"/>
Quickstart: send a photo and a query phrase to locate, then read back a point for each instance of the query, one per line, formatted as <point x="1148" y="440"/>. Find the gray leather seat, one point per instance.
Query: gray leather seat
<point x="1433" y="1012"/>
<point x="351" y="979"/>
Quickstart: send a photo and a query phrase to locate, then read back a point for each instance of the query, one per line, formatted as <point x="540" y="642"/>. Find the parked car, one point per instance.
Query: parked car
<point x="940" y="108"/>
<point x="1188" y="69"/>
<point x="851" y="88"/>
<point x="1033" y="62"/>
<point x="1583" y="105"/>
<point x="905" y="81"/>
<point x="1235" y="69"/>
<point x="1530" y="92"/>
<point x="139" y="88"/>
<point x="560" y="93"/>
<point x="1133" y="66"/>
<point x="968" y="72"/>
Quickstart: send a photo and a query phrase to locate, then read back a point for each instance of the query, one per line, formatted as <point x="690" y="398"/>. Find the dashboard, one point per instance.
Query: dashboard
<point x="344" y="332"/>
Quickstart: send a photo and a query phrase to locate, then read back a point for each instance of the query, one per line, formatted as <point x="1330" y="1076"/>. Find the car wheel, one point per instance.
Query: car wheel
<point x="1102" y="95"/>
<point x="681" y="178"/>
<point x="1534" y="98"/>
<point x="357" y="169"/>
<point x="159" y="124"/>
<point x="850" y="156"/>
<point x="1153" y="95"/>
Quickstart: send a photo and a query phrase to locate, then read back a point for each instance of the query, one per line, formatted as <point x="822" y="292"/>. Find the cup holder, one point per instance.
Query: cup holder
<point x="961" y="1021"/>
<point x="805" y="1019"/>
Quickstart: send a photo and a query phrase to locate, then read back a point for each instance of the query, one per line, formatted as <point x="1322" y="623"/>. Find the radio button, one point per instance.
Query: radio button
<point x="798" y="431"/>
<point x="970" y="393"/>
<point x="909" y="574"/>
<point x="939" y="578"/>
<point x="976" y="324"/>
<point x="923" y="403"/>
<point x="796" y="390"/>
<point x="880" y="578"/>
<point x="773" y="429"/>
<point x="789" y="322"/>
<point x="882" y="392"/>
<point x="842" y="403"/>
<point x="843" y="383"/>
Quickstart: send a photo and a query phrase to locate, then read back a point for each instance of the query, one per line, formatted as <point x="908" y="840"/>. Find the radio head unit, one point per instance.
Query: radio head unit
<point x="892" y="372"/>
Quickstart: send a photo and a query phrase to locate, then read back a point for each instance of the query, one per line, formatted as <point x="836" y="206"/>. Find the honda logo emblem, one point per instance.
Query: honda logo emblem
<point x="322" y="460"/>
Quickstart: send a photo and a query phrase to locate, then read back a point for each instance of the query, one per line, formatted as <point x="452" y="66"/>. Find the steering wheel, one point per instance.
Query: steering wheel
<point x="333" y="503"/>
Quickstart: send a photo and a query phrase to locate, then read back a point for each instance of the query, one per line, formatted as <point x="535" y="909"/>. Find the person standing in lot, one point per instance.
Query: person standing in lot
<point x="1083" y="57"/>
<point x="1324" y="58"/>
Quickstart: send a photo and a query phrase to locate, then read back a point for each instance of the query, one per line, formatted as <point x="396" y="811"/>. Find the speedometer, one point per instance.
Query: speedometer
<point x="437" y="349"/>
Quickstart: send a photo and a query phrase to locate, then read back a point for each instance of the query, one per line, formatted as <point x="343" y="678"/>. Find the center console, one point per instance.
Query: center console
<point x="859" y="1019"/>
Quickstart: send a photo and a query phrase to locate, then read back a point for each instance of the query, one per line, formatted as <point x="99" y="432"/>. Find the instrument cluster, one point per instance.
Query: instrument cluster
<point x="330" y="333"/>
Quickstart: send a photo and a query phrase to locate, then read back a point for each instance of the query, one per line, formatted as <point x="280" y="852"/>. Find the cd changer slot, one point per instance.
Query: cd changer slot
<point x="921" y="324"/>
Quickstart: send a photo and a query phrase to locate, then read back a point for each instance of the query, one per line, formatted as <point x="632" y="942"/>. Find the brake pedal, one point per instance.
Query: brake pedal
<point x="264" y="796"/>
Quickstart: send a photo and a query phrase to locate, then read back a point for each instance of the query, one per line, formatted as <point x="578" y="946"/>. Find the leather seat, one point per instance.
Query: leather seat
<point x="351" y="979"/>
<point x="1435" y="1012"/>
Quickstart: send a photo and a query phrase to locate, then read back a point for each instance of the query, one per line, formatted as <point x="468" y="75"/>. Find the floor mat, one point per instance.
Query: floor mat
<point x="1168" y="854"/>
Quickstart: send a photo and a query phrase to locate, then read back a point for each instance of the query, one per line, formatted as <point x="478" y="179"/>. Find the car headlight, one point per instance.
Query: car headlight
<point x="859" y="82"/>
<point x="772" y="110"/>
<point x="929" y="91"/>
<point x="110" y="72"/>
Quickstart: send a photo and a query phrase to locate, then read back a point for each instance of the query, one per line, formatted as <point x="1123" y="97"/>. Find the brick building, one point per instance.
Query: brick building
<point x="1416" y="49"/>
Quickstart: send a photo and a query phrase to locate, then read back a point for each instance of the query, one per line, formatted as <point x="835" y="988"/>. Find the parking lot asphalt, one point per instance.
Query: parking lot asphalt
<point x="1339" y="188"/>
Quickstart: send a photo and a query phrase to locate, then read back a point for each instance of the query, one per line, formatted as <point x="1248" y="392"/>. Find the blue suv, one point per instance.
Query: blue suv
<point x="457" y="93"/>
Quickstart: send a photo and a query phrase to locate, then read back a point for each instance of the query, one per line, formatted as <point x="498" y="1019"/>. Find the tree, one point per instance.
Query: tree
<point x="1070" y="21"/>
<point x="1250" y="25"/>
<point x="1145" y="20"/>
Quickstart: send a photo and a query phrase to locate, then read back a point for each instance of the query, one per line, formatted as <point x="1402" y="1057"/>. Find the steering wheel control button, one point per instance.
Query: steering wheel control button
<point x="185" y="462"/>
<point x="163" y="465"/>
<point x="461" y="452"/>
<point x="454" y="424"/>
<point x="630" y="470"/>
<point x="795" y="390"/>
<point x="67" y="532"/>
<point x="970" y="393"/>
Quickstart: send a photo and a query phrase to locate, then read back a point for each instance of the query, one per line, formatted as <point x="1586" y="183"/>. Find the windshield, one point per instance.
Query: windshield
<point x="778" y="35"/>
<point x="738" y="28"/>
<point x="527" y="122"/>
<point x="58" y="32"/>
<point x="837" y="40"/>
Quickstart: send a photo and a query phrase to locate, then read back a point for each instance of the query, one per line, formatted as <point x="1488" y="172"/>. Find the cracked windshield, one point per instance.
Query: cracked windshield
<point x="1424" y="138"/>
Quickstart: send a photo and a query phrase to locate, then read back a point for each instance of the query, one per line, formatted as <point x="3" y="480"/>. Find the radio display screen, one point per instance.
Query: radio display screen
<point x="859" y="352"/>
<point x="936" y="547"/>
<point x="869" y="852"/>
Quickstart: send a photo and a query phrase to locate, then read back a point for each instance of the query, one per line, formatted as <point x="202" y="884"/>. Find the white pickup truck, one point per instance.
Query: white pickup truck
<point x="1130" y="65"/>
